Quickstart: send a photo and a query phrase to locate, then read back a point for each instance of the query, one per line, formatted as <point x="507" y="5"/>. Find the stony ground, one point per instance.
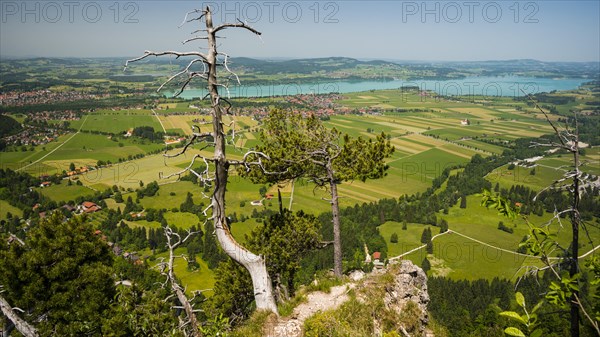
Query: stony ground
<point x="315" y="302"/>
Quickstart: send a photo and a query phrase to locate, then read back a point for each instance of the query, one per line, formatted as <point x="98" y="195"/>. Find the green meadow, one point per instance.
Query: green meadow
<point x="118" y="121"/>
<point x="64" y="192"/>
<point x="6" y="208"/>
<point x="462" y="258"/>
<point x="201" y="279"/>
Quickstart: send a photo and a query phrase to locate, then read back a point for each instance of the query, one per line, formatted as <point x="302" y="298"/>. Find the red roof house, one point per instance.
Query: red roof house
<point x="89" y="207"/>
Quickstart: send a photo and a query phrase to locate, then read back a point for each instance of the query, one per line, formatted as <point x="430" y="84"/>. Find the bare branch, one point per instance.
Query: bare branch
<point x="185" y="70"/>
<point x="236" y="25"/>
<point x="169" y="52"/>
<point x="195" y="38"/>
<point x="198" y="18"/>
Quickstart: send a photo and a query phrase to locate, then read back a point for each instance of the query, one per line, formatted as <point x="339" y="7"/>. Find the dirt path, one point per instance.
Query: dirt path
<point x="316" y="301"/>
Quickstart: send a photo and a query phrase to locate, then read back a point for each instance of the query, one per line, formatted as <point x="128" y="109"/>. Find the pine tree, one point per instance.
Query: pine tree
<point x="284" y="239"/>
<point x="301" y="146"/>
<point x="463" y="201"/>
<point x="426" y="235"/>
<point x="443" y="226"/>
<point x="426" y="265"/>
<point x="394" y="238"/>
<point x="62" y="277"/>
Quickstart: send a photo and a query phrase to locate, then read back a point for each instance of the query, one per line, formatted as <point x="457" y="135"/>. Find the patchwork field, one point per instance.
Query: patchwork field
<point x="427" y="141"/>
<point x="427" y="134"/>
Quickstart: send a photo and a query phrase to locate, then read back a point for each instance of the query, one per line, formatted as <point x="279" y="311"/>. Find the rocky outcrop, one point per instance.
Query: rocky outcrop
<point x="408" y="293"/>
<point x="398" y="292"/>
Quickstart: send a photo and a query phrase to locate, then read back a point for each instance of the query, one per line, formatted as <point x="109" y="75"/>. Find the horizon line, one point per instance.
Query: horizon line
<point x="25" y="57"/>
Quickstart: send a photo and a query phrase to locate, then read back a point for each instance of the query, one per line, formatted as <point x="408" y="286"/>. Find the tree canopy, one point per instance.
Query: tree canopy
<point x="61" y="277"/>
<point x="302" y="146"/>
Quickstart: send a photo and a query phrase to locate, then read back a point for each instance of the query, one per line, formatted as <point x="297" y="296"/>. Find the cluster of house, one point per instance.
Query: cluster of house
<point x="31" y="135"/>
<point x="118" y="251"/>
<point x="318" y="104"/>
<point x="15" y="98"/>
<point x="39" y="129"/>
<point x="268" y="196"/>
<point x="85" y="207"/>
<point x="80" y="170"/>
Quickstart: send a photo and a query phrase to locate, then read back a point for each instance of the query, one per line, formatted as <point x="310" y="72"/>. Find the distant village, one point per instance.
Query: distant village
<point x="45" y="96"/>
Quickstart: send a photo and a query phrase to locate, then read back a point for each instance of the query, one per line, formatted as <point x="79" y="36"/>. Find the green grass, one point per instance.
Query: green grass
<point x="171" y="195"/>
<point x="461" y="258"/>
<point x="543" y="177"/>
<point x="64" y="192"/>
<point x="112" y="204"/>
<point x="239" y="230"/>
<point x="182" y="220"/>
<point x="484" y="146"/>
<point x="201" y="279"/>
<point x="6" y="208"/>
<point x="143" y="223"/>
<point x="407" y="239"/>
<point x="117" y="121"/>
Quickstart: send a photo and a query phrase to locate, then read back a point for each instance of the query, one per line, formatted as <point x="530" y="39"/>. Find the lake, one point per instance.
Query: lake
<point x="510" y="86"/>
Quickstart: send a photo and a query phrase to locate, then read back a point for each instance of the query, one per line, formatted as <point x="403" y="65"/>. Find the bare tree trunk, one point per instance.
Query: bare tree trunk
<point x="255" y="264"/>
<point x="575" y="222"/>
<point x="187" y="306"/>
<point x="20" y="324"/>
<point x="335" y="211"/>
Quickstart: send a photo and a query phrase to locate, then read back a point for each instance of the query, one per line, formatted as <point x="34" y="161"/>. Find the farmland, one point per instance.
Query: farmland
<point x="117" y="121"/>
<point x="428" y="134"/>
<point x="426" y="131"/>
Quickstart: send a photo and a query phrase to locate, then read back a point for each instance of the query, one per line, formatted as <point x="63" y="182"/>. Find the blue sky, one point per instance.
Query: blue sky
<point x="401" y="30"/>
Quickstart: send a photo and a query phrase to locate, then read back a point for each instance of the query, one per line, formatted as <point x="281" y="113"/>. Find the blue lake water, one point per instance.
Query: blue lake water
<point x="509" y="86"/>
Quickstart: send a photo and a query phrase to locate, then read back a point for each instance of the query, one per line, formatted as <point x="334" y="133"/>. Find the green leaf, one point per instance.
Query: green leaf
<point x="514" y="316"/>
<point x="520" y="299"/>
<point x="537" y="306"/>
<point x="536" y="333"/>
<point x="512" y="331"/>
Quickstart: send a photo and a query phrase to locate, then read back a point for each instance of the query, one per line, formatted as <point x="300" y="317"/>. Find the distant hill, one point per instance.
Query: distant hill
<point x="303" y="66"/>
<point x="102" y="74"/>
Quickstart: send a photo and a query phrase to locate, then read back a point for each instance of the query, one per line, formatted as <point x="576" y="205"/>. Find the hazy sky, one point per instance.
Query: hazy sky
<point x="402" y="30"/>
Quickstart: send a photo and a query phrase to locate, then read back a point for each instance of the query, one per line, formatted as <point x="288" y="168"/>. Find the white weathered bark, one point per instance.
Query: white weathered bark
<point x="173" y="241"/>
<point x="255" y="264"/>
<point x="20" y="324"/>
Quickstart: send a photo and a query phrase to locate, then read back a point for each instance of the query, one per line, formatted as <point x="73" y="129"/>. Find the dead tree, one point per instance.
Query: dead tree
<point x="174" y="240"/>
<point x="218" y="165"/>
<point x="575" y="182"/>
<point x="541" y="243"/>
